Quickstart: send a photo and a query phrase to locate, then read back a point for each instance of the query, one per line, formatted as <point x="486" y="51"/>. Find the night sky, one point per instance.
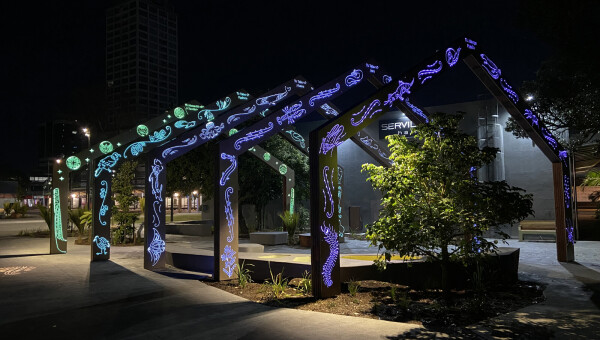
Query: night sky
<point x="53" y="53"/>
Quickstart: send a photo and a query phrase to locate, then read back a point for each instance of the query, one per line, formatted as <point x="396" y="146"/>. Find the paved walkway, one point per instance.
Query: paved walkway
<point x="53" y="296"/>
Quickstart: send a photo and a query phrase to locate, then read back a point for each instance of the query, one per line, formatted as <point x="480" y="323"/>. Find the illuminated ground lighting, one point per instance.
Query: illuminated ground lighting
<point x="374" y="257"/>
<point x="15" y="270"/>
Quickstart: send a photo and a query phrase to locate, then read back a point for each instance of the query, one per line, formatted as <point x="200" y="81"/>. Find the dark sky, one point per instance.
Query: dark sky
<point x="53" y="52"/>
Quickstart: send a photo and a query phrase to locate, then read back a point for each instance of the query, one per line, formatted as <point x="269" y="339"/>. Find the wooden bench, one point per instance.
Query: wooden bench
<point x="540" y="227"/>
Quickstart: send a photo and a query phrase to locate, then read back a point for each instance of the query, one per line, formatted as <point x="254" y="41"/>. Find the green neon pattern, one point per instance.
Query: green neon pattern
<point x="267" y="156"/>
<point x="105" y="147"/>
<point x="179" y="112"/>
<point x="283" y="169"/>
<point x="73" y="163"/>
<point x="233" y="132"/>
<point x="291" y="200"/>
<point x="142" y="130"/>
<point x="58" y="232"/>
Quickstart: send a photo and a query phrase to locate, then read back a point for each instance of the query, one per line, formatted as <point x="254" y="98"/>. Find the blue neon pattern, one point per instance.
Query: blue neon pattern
<point x="157" y="190"/>
<point x="274" y="98"/>
<point x="229" y="258"/>
<point x="331" y="238"/>
<point x="252" y="136"/>
<point x="452" y="56"/>
<point x="247" y="111"/>
<point x="428" y="72"/>
<point x="324" y="94"/>
<point x="211" y="130"/>
<point x="103" y="206"/>
<point x="102" y="244"/>
<point x="402" y="89"/>
<point x="225" y="175"/>
<point x="291" y="114"/>
<point x="490" y="67"/>
<point x="332" y="140"/>
<point x="353" y="78"/>
<point x="58" y="230"/>
<point x="156" y="247"/>
<point x="327" y="192"/>
<point x="297" y="138"/>
<point x="368" y="113"/>
<point x="107" y="163"/>
<point x="229" y="213"/>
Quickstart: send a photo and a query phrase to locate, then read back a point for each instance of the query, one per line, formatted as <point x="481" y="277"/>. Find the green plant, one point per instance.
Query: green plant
<point x="400" y="298"/>
<point x="278" y="283"/>
<point x="305" y="284"/>
<point x="46" y="215"/>
<point x="290" y="223"/>
<point x="353" y="287"/>
<point x="75" y="217"/>
<point x="244" y="272"/>
<point x="433" y="205"/>
<point x="123" y="189"/>
<point x="86" y="222"/>
<point x="592" y="178"/>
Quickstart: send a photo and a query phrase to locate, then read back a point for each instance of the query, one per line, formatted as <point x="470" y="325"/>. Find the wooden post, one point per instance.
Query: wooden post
<point x="564" y="249"/>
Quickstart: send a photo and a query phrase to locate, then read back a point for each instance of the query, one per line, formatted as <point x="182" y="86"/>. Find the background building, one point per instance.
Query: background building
<point x="141" y="62"/>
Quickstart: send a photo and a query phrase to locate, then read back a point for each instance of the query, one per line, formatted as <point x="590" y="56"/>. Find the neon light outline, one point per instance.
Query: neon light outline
<point x="509" y="91"/>
<point x="291" y="114"/>
<point x="156" y="137"/>
<point x="102" y="243"/>
<point x="247" y="111"/>
<point x="107" y="163"/>
<point x="229" y="213"/>
<point x="452" y="56"/>
<point x="323" y="94"/>
<point x="221" y="106"/>
<point x="253" y="135"/>
<point x="416" y="110"/>
<point x="353" y="78"/>
<point x="156" y="247"/>
<point x="211" y="130"/>
<point x="297" y="138"/>
<point x="367" y="114"/>
<point x="58" y="232"/>
<point x="402" y="89"/>
<point x="331" y="238"/>
<point x="157" y="189"/>
<point x="103" y="206"/>
<point x="386" y="79"/>
<point x="228" y="257"/>
<point x="329" y="110"/>
<point x="327" y="192"/>
<point x="184" y="124"/>
<point x="225" y="175"/>
<point x="266" y="100"/>
<point x="490" y="67"/>
<point x="332" y="140"/>
<point x="174" y="149"/>
<point x="428" y="72"/>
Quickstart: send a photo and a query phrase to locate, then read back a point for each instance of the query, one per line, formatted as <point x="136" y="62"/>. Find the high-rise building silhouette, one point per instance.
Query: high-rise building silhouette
<point x="141" y="62"/>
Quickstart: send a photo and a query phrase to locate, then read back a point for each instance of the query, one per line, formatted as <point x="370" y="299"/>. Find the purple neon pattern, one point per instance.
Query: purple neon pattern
<point x="327" y="192"/>
<point x="368" y="113"/>
<point x="328" y="93"/>
<point x="332" y="140"/>
<point x="331" y="238"/>
<point x="429" y="71"/>
<point x="225" y="175"/>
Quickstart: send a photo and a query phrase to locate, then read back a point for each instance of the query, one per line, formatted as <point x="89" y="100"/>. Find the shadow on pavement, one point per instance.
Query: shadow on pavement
<point x="589" y="277"/>
<point x="21" y="255"/>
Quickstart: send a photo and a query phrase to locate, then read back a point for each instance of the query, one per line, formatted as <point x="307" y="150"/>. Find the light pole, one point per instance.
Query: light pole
<point x="86" y="131"/>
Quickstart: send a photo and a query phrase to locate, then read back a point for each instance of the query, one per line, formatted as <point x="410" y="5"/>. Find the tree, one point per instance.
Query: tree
<point x="592" y="178"/>
<point x="566" y="91"/>
<point x="124" y="197"/>
<point x="432" y="200"/>
<point x="192" y="171"/>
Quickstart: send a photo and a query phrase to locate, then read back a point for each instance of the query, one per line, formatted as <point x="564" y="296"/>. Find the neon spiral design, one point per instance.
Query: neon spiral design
<point x="331" y="238"/>
<point x="157" y="189"/>
<point x="549" y="138"/>
<point x="297" y="138"/>
<point x="175" y="149"/>
<point x="428" y="72"/>
<point x="156" y="247"/>
<point x="567" y="190"/>
<point x="333" y="139"/>
<point x="368" y="113"/>
<point x="570" y="231"/>
<point x="416" y="110"/>
<point x="398" y="94"/>
<point x="247" y="111"/>
<point x="291" y="114"/>
<point x="225" y="175"/>
<point x="107" y="163"/>
<point x="532" y="117"/>
<point x="490" y="67"/>
<point x="221" y="106"/>
<point x="228" y="257"/>
<point x="211" y="130"/>
<point x="327" y="192"/>
<point x="229" y="213"/>
<point x="452" y="56"/>
<point x="386" y="79"/>
<point x="103" y="206"/>
<point x="329" y="110"/>
<point x="323" y="94"/>
<point x="253" y="135"/>
<point x="274" y="98"/>
<point x="157" y="137"/>
<point x="58" y="232"/>
<point x="102" y="244"/>
<point x="509" y="91"/>
<point x="184" y="124"/>
<point x="353" y="78"/>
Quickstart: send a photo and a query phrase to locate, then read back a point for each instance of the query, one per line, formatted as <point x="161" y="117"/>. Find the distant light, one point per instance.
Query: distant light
<point x="73" y="195"/>
<point x="195" y="192"/>
<point x="58" y="161"/>
<point x="529" y="98"/>
<point x="176" y="194"/>
<point x="85" y="130"/>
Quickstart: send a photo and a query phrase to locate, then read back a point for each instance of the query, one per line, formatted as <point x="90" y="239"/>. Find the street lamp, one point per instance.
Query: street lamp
<point x="86" y="132"/>
<point x="195" y="203"/>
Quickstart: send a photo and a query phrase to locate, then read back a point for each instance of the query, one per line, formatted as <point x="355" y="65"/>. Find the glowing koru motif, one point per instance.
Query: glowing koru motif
<point x="211" y="130"/>
<point x="567" y="190"/>
<point x="253" y="135"/>
<point x="323" y="94"/>
<point x="103" y="206"/>
<point x="58" y="227"/>
<point x="570" y="231"/>
<point x="428" y="72"/>
<point x="102" y="244"/>
<point x="225" y="175"/>
<point x="452" y="56"/>
<point x="221" y="106"/>
<point x="327" y="192"/>
<point x="246" y="111"/>
<point x="563" y="155"/>
<point x="549" y="138"/>
<point x="107" y="163"/>
<point x="291" y="114"/>
<point x="331" y="238"/>
<point x="156" y="247"/>
<point x="353" y="78"/>
<point x="175" y="149"/>
<point x="333" y="139"/>
<point x="156" y="137"/>
<point x="531" y="117"/>
<point x="229" y="213"/>
<point x="184" y="124"/>
<point x="416" y="110"/>
<point x="490" y="67"/>
<point x="402" y="89"/>
<point x="368" y="113"/>
<point x="329" y="110"/>
<point x="274" y="98"/>
<point x="179" y="112"/>
<point x="386" y="79"/>
<point x="228" y="257"/>
<point x="509" y="91"/>
<point x="142" y="130"/>
<point x="157" y="189"/>
<point x="297" y="138"/>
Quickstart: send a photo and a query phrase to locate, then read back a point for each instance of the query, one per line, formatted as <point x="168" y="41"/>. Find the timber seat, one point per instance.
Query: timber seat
<point x="537" y="227"/>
